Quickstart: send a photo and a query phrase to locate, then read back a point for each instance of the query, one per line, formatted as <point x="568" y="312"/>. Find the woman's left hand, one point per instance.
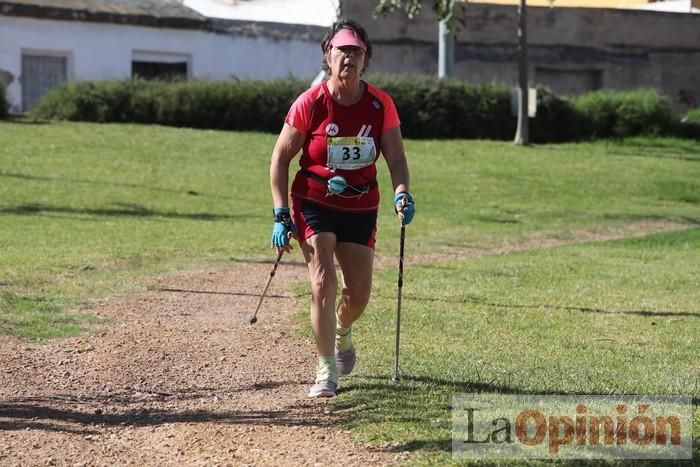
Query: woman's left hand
<point x="404" y="207"/>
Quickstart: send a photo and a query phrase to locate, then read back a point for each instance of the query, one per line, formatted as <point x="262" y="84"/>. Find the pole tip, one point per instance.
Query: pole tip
<point x="395" y="379"/>
<point x="253" y="320"/>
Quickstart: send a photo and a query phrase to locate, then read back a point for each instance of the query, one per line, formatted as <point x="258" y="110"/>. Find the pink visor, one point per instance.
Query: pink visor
<point x="347" y="37"/>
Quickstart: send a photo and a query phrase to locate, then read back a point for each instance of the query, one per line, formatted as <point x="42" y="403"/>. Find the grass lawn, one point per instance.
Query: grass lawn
<point x="618" y="317"/>
<point x="90" y="210"/>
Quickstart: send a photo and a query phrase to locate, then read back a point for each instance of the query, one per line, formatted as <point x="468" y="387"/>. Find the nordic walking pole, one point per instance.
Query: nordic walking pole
<point x="254" y="317"/>
<point x="395" y="379"/>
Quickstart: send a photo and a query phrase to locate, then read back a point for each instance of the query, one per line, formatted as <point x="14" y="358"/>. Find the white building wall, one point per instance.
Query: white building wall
<point x="316" y="12"/>
<point x="98" y="51"/>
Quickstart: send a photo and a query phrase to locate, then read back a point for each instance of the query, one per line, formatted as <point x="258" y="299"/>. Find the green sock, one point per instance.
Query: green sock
<point x="343" y="338"/>
<point x="326" y="369"/>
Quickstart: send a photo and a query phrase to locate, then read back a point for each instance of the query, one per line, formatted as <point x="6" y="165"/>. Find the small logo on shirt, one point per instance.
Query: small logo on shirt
<point x="332" y="129"/>
<point x="376" y="105"/>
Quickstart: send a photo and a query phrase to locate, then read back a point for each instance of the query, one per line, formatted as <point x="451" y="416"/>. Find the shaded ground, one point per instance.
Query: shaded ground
<point x="178" y="377"/>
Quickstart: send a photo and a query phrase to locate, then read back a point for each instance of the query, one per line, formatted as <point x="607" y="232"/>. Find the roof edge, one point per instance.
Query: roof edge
<point x="271" y="29"/>
<point x="9" y="8"/>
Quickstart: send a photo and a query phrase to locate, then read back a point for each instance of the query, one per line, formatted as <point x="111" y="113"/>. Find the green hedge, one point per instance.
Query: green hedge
<point x="4" y="105"/>
<point x="428" y="108"/>
<point x="621" y="114"/>
<point x="432" y="108"/>
<point x="693" y="115"/>
<point x="245" y="105"/>
<point x="690" y="127"/>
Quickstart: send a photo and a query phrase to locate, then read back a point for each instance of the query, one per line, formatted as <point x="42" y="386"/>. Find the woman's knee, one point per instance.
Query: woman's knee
<point x="356" y="298"/>
<point x="324" y="283"/>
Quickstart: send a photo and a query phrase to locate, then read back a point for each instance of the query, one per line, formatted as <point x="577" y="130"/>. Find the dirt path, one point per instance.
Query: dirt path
<point x="178" y="377"/>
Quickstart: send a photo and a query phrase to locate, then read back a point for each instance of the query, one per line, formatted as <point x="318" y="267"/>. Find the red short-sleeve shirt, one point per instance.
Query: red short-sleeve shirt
<point x="316" y="115"/>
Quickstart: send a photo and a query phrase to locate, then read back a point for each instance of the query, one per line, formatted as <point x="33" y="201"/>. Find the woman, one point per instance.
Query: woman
<point x="341" y="126"/>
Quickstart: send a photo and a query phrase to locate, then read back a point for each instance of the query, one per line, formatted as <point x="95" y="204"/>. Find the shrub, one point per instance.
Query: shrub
<point x="428" y="108"/>
<point x="556" y="120"/>
<point x="447" y="108"/>
<point x="693" y="115"/>
<point x="246" y="105"/>
<point x="688" y="129"/>
<point x="620" y="114"/>
<point x="4" y="105"/>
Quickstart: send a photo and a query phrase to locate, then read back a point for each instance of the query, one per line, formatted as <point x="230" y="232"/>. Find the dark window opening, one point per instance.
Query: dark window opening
<point x="159" y="70"/>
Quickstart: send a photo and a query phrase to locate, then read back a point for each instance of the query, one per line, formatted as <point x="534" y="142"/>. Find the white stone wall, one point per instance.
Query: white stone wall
<point x="98" y="51"/>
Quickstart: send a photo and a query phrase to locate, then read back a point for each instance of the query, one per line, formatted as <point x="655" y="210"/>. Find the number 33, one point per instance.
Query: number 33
<point x="355" y="153"/>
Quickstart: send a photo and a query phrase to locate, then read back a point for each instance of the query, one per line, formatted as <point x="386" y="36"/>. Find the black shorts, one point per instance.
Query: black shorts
<point x="348" y="227"/>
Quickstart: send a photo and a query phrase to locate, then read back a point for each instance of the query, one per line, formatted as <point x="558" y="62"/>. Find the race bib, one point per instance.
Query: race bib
<point x="351" y="152"/>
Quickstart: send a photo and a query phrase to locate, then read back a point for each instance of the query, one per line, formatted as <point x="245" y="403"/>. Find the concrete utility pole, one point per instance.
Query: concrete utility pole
<point x="446" y="49"/>
<point x="522" y="135"/>
<point x="444" y="10"/>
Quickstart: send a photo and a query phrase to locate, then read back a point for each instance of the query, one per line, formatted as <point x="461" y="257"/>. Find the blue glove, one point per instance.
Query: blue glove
<point x="408" y="209"/>
<point x="282" y="227"/>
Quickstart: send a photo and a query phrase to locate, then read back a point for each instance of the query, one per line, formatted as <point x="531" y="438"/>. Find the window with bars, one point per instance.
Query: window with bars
<point x="40" y="73"/>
